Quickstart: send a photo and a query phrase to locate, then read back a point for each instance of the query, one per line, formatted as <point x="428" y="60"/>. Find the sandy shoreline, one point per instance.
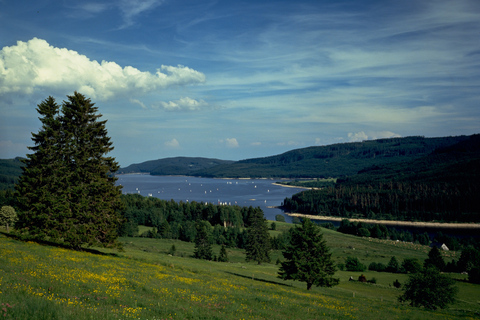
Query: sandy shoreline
<point x="471" y="226"/>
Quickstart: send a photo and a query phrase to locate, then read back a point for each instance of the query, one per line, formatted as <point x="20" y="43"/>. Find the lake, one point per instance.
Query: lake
<point x="242" y="192"/>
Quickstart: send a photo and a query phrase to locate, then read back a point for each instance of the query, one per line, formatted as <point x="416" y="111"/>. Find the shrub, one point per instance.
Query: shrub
<point x="397" y="284"/>
<point x="362" y="278"/>
<point x="429" y="289"/>
<point x="353" y="264"/>
<point x="377" y="266"/>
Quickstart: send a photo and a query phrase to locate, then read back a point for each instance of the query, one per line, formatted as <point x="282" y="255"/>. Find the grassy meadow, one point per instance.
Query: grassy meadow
<point x="144" y="282"/>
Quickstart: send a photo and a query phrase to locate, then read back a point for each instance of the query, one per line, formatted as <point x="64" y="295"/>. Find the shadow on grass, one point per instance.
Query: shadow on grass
<point x="57" y="245"/>
<point x="260" y="280"/>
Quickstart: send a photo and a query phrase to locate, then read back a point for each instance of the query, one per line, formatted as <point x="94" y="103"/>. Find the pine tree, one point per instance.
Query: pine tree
<point x="67" y="191"/>
<point x="308" y="259"/>
<point x="258" y="244"/>
<point x="222" y="256"/>
<point x="435" y="259"/>
<point x="203" y="246"/>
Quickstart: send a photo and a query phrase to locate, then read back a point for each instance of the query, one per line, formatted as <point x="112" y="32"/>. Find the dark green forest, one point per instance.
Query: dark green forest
<point x="442" y="186"/>
<point x="10" y="170"/>
<point x="336" y="160"/>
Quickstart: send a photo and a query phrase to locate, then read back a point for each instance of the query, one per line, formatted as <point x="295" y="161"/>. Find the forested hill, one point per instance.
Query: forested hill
<point x="10" y="170"/>
<point x="173" y="166"/>
<point x="442" y="186"/>
<point x="336" y="160"/>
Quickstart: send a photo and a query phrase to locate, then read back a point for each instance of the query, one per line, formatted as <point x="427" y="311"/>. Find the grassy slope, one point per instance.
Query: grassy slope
<point x="143" y="282"/>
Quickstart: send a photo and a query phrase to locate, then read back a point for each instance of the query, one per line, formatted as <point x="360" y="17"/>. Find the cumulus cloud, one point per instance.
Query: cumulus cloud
<point x="230" y="142"/>
<point x="361" y="136"/>
<point x="172" y="143"/>
<point x="36" y="65"/>
<point x="183" y="104"/>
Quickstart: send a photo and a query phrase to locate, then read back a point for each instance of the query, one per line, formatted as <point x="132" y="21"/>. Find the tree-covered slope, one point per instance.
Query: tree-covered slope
<point x="441" y="186"/>
<point x="173" y="166"/>
<point x="336" y="160"/>
<point x="10" y="170"/>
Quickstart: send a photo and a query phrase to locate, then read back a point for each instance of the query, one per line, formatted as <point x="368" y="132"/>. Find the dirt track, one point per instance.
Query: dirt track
<point x="470" y="226"/>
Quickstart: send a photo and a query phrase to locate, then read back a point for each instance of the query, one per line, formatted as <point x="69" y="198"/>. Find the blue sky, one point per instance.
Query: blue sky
<point x="242" y="79"/>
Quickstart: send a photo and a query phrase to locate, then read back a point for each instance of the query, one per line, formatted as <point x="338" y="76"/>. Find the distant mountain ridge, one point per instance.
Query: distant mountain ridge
<point x="173" y="166"/>
<point x="336" y="160"/>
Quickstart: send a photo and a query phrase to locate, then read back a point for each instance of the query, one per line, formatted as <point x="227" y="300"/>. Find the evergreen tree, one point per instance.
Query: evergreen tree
<point x="223" y="257"/>
<point x="258" y="244"/>
<point x="308" y="259"/>
<point x="67" y="192"/>
<point x="393" y="265"/>
<point x="203" y="246"/>
<point x="429" y="289"/>
<point x="435" y="259"/>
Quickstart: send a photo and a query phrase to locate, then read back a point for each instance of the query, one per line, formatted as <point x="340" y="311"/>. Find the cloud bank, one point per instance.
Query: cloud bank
<point x="36" y="65"/>
<point x="183" y="104"/>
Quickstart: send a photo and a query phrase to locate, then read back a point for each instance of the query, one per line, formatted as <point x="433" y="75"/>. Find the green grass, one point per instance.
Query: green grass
<point x="144" y="282"/>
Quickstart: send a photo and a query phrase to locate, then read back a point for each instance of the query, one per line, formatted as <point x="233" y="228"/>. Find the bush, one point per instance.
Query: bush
<point x="373" y="280"/>
<point x="429" y="289"/>
<point x="377" y="266"/>
<point x="279" y="218"/>
<point x="353" y="264"/>
<point x="362" y="278"/>
<point x="397" y="284"/>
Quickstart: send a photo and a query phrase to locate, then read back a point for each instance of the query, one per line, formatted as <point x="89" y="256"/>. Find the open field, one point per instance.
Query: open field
<point x="144" y="282"/>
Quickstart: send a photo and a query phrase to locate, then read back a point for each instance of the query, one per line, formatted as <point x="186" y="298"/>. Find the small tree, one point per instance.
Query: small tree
<point x="393" y="265"/>
<point x="258" y="243"/>
<point x="411" y="265"/>
<point x="353" y="264"/>
<point x="435" y="259"/>
<point x="222" y="256"/>
<point x="8" y="216"/>
<point x="429" y="289"/>
<point x="308" y="259"/>
<point x="203" y="246"/>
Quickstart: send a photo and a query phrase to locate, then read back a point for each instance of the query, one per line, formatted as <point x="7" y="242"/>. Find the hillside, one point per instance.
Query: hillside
<point x="144" y="282"/>
<point x="173" y="166"/>
<point x="10" y="170"/>
<point x="442" y="186"/>
<point x="336" y="160"/>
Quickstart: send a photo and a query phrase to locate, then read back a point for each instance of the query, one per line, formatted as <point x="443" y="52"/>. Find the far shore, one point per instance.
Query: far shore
<point x="393" y="223"/>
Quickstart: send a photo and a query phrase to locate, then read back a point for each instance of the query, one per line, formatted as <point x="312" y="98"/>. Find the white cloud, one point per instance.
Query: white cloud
<point x="140" y="103"/>
<point x="231" y="142"/>
<point x="361" y="136"/>
<point x="183" y="104"/>
<point x="35" y="65"/>
<point x="172" y="143"/>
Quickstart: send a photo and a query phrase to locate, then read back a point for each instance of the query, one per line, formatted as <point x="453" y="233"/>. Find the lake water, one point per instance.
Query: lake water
<point x="243" y="192"/>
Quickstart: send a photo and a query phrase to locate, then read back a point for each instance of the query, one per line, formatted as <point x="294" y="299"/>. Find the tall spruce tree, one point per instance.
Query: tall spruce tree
<point x="258" y="244"/>
<point x="203" y="245"/>
<point x="308" y="259"/>
<point x="67" y="191"/>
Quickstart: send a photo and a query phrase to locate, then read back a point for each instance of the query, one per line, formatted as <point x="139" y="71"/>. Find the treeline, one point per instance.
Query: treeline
<point x="10" y="170"/>
<point x="443" y="186"/>
<point x="176" y="220"/>
<point x="391" y="233"/>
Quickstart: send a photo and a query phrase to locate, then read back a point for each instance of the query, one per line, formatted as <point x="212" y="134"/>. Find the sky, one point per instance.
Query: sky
<point x="242" y="79"/>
